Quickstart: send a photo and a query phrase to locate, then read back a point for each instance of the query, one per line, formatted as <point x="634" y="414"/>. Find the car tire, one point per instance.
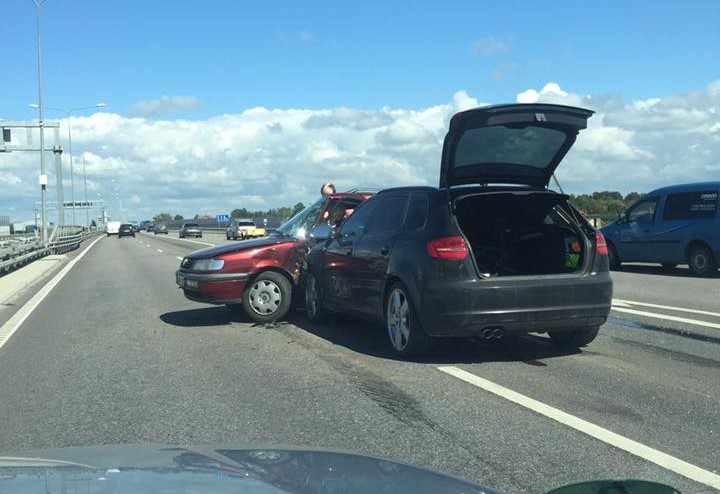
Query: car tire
<point x="268" y="297"/>
<point x="406" y="335"/>
<point x="669" y="265"/>
<point x="701" y="261"/>
<point x="313" y="299"/>
<point x="613" y="257"/>
<point x="574" y="339"/>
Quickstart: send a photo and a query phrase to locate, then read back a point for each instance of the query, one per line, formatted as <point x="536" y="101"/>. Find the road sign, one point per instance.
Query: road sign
<point x="220" y="217"/>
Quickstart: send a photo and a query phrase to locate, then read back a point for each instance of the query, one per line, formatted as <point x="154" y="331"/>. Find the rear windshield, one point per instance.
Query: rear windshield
<point x="246" y="223"/>
<point x="191" y="225"/>
<point x="529" y="146"/>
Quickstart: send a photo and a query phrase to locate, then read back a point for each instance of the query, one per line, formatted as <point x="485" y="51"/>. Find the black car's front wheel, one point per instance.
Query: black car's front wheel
<point x="267" y="298"/>
<point x="407" y="337"/>
<point x="313" y="299"/>
<point x="574" y="339"/>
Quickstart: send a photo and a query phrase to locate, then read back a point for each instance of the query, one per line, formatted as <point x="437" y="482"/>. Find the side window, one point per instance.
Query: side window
<point x="691" y="205"/>
<point x="390" y="214"/>
<point x="416" y="214"/>
<point x="354" y="226"/>
<point x="643" y="211"/>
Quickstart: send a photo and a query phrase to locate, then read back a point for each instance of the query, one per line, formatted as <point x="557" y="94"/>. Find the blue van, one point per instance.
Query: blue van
<point x="672" y="225"/>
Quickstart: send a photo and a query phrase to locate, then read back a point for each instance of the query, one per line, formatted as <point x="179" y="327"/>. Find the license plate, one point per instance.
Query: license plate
<point x="191" y="284"/>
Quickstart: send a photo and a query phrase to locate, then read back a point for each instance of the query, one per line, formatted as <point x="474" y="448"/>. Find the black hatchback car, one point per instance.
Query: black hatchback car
<point x="490" y="252"/>
<point x="126" y="230"/>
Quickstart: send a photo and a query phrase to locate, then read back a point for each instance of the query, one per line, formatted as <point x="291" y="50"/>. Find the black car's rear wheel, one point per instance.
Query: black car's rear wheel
<point x="267" y="298"/>
<point x="574" y="339"/>
<point x="407" y="337"/>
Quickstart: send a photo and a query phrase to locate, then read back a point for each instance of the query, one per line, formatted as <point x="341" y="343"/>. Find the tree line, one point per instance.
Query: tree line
<point x="281" y="212"/>
<point x="605" y="202"/>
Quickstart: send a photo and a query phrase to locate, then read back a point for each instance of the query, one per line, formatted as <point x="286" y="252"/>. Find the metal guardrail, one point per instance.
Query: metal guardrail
<point x="23" y="249"/>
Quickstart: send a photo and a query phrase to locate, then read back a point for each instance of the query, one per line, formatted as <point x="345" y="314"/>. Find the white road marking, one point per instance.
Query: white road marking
<point x="12" y="324"/>
<point x="159" y="250"/>
<point x="195" y="241"/>
<point x="147" y="245"/>
<point x="696" y="322"/>
<point x="178" y="258"/>
<point x="628" y="303"/>
<point x="664" y="460"/>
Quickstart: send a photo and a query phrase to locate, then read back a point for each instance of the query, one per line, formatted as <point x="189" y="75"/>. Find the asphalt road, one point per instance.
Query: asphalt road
<point x="116" y="354"/>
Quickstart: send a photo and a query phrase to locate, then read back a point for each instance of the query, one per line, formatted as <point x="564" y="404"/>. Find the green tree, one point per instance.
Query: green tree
<point x="162" y="218"/>
<point x="632" y="197"/>
<point x="297" y="208"/>
<point x="178" y="217"/>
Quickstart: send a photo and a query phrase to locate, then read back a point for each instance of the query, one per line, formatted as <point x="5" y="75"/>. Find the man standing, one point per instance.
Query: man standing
<point x="327" y="189"/>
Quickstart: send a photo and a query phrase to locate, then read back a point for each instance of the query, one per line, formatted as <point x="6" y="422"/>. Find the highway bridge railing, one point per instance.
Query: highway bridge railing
<point x="18" y="250"/>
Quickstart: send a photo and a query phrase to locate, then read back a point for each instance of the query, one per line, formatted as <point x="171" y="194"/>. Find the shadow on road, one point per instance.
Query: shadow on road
<point x="657" y="270"/>
<point x="193" y="318"/>
<point x="370" y="339"/>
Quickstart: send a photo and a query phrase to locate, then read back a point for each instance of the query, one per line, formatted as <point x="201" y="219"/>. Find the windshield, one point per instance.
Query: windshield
<point x="301" y="224"/>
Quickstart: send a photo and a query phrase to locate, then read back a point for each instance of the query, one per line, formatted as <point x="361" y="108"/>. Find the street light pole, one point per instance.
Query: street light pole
<point x="87" y="208"/>
<point x="43" y="178"/>
<point x="68" y="112"/>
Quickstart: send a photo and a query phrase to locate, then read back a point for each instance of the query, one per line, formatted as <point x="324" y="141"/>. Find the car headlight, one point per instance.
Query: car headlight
<point x="208" y="264"/>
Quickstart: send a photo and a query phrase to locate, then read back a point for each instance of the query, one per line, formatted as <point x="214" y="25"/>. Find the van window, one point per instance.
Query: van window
<point x="643" y="211"/>
<point x="691" y="205"/>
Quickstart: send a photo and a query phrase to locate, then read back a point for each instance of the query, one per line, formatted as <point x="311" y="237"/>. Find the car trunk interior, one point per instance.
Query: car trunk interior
<point x="521" y="234"/>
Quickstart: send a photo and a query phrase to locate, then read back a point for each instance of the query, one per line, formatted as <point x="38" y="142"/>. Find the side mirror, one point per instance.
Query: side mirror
<point x="321" y="232"/>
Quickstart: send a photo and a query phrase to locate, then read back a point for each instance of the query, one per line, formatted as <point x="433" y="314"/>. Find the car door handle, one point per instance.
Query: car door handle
<point x="385" y="250"/>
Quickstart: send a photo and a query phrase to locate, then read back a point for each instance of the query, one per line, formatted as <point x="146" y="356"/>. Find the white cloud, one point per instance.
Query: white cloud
<point x="270" y="157"/>
<point x="504" y="70"/>
<point x="164" y="105"/>
<point x="306" y="37"/>
<point x="550" y="93"/>
<point x="491" y="45"/>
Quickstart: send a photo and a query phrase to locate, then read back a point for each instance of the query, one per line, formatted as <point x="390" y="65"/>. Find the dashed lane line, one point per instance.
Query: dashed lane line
<point x="655" y="456"/>
<point x="627" y="303"/>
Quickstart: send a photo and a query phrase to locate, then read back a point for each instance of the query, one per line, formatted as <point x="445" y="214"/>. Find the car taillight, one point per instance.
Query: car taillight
<point x="448" y="248"/>
<point x="601" y="244"/>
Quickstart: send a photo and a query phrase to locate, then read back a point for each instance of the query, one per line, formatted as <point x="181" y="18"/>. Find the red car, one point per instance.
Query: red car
<point x="261" y="274"/>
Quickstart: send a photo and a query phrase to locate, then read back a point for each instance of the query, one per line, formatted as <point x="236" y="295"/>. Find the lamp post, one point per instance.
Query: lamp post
<point x="68" y="112"/>
<point x="43" y="177"/>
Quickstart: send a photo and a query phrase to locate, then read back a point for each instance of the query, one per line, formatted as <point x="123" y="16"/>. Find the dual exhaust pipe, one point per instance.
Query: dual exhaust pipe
<point x="492" y="333"/>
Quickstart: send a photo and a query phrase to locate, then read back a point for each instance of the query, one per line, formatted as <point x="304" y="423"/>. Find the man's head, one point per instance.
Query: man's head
<point x="327" y="189"/>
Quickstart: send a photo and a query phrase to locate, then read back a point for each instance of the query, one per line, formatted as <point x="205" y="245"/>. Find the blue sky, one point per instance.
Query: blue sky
<point x="358" y="93"/>
<point x="233" y="55"/>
